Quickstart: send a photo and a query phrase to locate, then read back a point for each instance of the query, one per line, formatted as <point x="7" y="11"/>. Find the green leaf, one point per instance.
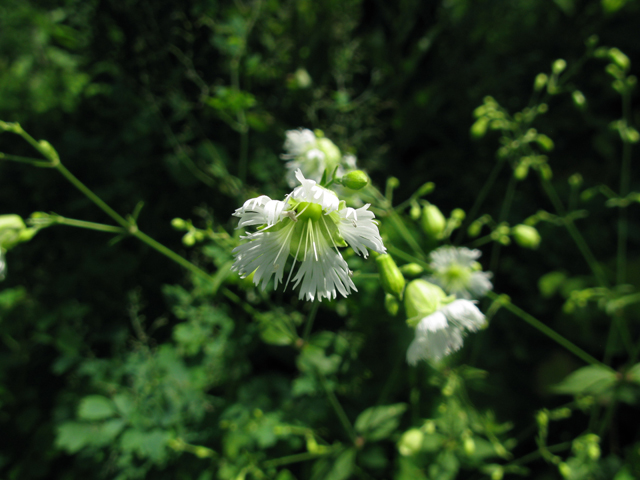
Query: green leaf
<point x="96" y="407"/>
<point x="591" y="380"/>
<point x="376" y="423"/>
<point x="337" y="468"/>
<point x="633" y="374"/>
<point x="73" y="436"/>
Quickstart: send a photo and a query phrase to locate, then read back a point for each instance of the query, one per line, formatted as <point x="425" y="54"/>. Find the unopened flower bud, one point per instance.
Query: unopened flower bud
<point x="391" y="277"/>
<point x="425" y="189"/>
<point x="578" y="99"/>
<point x="469" y="446"/>
<point x="13" y="231"/>
<point x="178" y="224"/>
<point x="479" y="127"/>
<point x="540" y="82"/>
<point x="433" y="222"/>
<point x="619" y="58"/>
<point x="558" y="66"/>
<point x="411" y="269"/>
<point x="391" y="304"/>
<point x="422" y="298"/>
<point x="355" y="180"/>
<point x="526" y="236"/>
<point x="302" y="78"/>
<point x="411" y="442"/>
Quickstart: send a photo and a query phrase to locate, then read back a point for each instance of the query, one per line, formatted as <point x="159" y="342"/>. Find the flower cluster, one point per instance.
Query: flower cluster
<point x="309" y="225"/>
<point x="440" y="321"/>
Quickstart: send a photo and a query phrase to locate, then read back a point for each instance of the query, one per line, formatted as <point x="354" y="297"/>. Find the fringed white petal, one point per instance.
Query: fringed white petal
<point x="323" y="272"/>
<point x="442" y="332"/>
<point x="265" y="254"/>
<point x="309" y="191"/>
<point x="359" y="230"/>
<point x="298" y="142"/>
<point x="260" y="211"/>
<point x="464" y="314"/>
<point x="434" y="345"/>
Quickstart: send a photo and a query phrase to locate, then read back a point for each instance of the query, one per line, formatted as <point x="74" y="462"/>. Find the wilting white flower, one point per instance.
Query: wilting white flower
<point x="442" y="332"/>
<point x="309" y="225"/>
<point x="457" y="271"/>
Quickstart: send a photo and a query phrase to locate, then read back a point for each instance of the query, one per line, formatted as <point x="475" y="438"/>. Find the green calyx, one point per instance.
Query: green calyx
<point x="421" y="299"/>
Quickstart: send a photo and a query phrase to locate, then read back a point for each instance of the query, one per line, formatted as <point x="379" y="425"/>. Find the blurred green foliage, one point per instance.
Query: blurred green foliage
<point x="115" y="364"/>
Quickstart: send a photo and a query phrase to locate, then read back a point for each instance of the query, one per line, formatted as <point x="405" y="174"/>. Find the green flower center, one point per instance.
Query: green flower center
<point x="311" y="211"/>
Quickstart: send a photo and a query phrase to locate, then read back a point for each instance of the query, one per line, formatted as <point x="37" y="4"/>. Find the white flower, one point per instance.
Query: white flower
<point x="457" y="271"/>
<point x="309" y="225"/>
<point x="299" y="142"/>
<point x="442" y="332"/>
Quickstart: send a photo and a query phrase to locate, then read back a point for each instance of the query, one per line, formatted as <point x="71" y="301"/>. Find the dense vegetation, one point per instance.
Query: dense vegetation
<point x="119" y="359"/>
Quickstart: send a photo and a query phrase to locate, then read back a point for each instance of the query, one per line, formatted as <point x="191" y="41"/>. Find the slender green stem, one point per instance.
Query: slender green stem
<point x="575" y="234"/>
<point x="342" y="416"/>
<point x="407" y="257"/>
<point x="310" y="320"/>
<point x="27" y="160"/>
<point x="94" y="198"/>
<point x="171" y="254"/>
<point x="486" y="188"/>
<point x="577" y="351"/>
<point x="536" y="454"/>
<point x="504" y="212"/>
<point x="58" y="220"/>
<point x="298" y="457"/>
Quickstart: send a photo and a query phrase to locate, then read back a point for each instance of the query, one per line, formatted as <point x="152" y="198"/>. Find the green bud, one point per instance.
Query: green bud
<point x="178" y="224"/>
<point x="355" y="180"/>
<point x="578" y="99"/>
<point x="526" y="236"/>
<point x="575" y="180"/>
<point x="391" y="277"/>
<point x="545" y="142"/>
<point x="540" y="82"/>
<point x="421" y="299"/>
<point x="411" y="269"/>
<point x="391" y="304"/>
<point x="565" y="470"/>
<point x="425" y="189"/>
<point x="631" y="135"/>
<point x="331" y="152"/>
<point x="415" y="211"/>
<point x="497" y="473"/>
<point x="545" y="171"/>
<point x="592" y="41"/>
<point x="411" y="442"/>
<point x="558" y="66"/>
<point x="433" y="222"/>
<point x="615" y="71"/>
<point x="302" y="78"/>
<point x="189" y="239"/>
<point x="479" y="127"/>
<point x="458" y="214"/>
<point x="469" y="446"/>
<point x="619" y="58"/>
<point x="13" y="231"/>
<point x="522" y="170"/>
<point x="48" y="151"/>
